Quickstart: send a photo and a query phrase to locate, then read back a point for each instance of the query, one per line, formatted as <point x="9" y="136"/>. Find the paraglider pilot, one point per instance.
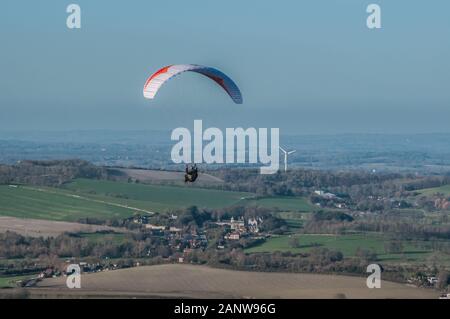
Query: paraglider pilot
<point x="191" y="173"/>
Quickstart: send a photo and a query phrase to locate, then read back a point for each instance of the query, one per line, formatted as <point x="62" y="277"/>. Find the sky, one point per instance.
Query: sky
<point x="306" y="67"/>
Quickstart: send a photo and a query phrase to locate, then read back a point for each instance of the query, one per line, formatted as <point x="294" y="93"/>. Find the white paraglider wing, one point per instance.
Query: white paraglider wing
<point x="154" y="82"/>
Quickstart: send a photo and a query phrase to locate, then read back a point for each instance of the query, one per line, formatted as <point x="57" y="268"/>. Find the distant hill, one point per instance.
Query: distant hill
<point x="49" y="173"/>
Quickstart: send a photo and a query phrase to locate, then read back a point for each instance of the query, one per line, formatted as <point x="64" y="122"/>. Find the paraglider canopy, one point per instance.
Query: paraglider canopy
<point x="154" y="82"/>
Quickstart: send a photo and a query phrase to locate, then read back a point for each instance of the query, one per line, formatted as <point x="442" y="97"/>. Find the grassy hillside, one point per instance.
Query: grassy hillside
<point x="284" y="203"/>
<point x="107" y="199"/>
<point x="104" y="200"/>
<point x="347" y="244"/>
<point x="160" y="197"/>
<point x="27" y="202"/>
<point x="431" y="191"/>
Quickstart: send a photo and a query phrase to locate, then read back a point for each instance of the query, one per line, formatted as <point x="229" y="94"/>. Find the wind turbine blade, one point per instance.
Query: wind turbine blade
<point x="282" y="149"/>
<point x="292" y="152"/>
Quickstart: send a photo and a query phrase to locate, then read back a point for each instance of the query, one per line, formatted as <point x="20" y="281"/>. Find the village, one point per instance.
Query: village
<point x="182" y="241"/>
<point x="186" y="240"/>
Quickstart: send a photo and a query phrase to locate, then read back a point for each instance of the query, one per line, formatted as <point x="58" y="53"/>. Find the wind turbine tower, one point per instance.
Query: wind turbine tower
<point x="286" y="153"/>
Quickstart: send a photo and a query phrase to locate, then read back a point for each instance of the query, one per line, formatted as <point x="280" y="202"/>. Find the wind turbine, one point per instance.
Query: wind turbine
<point x="286" y="153"/>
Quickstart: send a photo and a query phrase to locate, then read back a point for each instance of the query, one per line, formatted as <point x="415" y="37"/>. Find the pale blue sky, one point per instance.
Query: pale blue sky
<point x="305" y="66"/>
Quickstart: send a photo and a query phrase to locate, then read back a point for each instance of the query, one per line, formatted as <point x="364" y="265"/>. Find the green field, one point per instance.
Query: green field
<point x="157" y="197"/>
<point x="99" y="199"/>
<point x="102" y="199"/>
<point x="106" y="199"/>
<point x="52" y="204"/>
<point x="162" y="198"/>
<point x="283" y="203"/>
<point x="10" y="281"/>
<point x="294" y="220"/>
<point x="431" y="191"/>
<point x="347" y="244"/>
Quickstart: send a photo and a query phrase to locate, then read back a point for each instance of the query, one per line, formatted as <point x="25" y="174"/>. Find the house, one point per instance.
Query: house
<point x="432" y="280"/>
<point x="175" y="229"/>
<point x="237" y="225"/>
<point x="253" y="224"/>
<point x="233" y="236"/>
<point x="329" y="196"/>
<point x="324" y="194"/>
<point x="221" y="223"/>
<point x="442" y="203"/>
<point x="138" y="219"/>
<point x="155" y="227"/>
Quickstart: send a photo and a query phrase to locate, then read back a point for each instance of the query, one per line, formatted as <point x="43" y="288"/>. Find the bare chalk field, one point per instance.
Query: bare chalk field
<point x="189" y="281"/>
<point x="46" y="228"/>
